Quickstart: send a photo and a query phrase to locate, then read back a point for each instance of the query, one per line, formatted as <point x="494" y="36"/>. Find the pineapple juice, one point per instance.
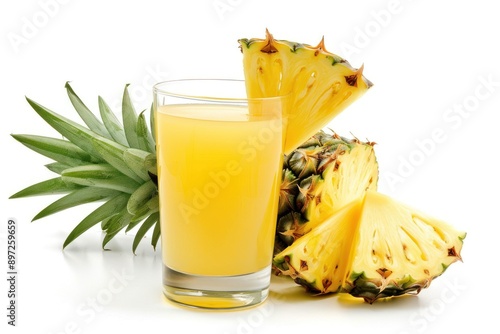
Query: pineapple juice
<point x="219" y="171"/>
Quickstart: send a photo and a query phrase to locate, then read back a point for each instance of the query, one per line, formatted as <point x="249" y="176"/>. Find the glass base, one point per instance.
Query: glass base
<point x="216" y="292"/>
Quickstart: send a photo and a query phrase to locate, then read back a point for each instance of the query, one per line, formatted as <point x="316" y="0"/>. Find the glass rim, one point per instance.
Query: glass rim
<point x="171" y="92"/>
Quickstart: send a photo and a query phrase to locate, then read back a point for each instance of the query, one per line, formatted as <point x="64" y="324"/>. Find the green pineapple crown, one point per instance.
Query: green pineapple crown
<point x="108" y="161"/>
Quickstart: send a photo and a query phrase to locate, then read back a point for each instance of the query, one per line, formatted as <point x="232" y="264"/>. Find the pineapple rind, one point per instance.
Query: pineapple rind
<point x="288" y="192"/>
<point x="371" y="290"/>
<point x="288" y="225"/>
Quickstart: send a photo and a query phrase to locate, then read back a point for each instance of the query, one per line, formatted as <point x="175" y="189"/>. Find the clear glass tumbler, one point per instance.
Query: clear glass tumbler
<point x="219" y="170"/>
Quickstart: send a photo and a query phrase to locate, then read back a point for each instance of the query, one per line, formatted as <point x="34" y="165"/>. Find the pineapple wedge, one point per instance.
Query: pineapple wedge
<point x="321" y="84"/>
<point x="374" y="247"/>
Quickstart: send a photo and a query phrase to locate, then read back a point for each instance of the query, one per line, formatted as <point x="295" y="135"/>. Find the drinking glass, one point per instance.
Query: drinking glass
<point x="219" y="158"/>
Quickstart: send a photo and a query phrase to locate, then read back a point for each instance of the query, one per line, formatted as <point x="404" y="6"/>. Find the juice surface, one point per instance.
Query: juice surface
<point x="219" y="172"/>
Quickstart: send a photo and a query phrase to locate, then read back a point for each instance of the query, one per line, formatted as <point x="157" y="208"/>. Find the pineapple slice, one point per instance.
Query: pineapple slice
<point x="321" y="84"/>
<point x="372" y="248"/>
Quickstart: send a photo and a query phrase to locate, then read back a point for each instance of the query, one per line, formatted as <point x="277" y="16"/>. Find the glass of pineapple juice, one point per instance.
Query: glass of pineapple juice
<point x="219" y="158"/>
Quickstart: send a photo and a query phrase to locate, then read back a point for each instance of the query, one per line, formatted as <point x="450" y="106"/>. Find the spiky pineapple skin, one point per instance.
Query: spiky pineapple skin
<point x="316" y="183"/>
<point x="358" y="285"/>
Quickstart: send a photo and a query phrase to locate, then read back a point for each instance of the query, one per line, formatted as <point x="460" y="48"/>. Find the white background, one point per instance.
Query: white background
<point x="433" y="112"/>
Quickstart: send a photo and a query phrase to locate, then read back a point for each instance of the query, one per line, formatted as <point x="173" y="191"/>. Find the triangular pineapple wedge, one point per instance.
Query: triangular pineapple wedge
<point x="321" y="84"/>
<point x="398" y="249"/>
<point x="320" y="259"/>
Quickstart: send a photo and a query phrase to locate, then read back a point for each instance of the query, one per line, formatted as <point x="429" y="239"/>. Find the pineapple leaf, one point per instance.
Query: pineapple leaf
<point x="86" y="115"/>
<point x="140" y="197"/>
<point x="150" y="166"/>
<point x="100" y="176"/>
<point x="148" y="223"/>
<point x="102" y="159"/>
<point x="108" y="209"/>
<point x="136" y="160"/>
<point x="118" y="222"/>
<point x="112" y="123"/>
<point x="154" y="203"/>
<point x="113" y="153"/>
<point x="75" y="198"/>
<point x="144" y="137"/>
<point x="56" y="149"/>
<point x="105" y="223"/>
<point x="48" y="187"/>
<point x="149" y="208"/>
<point x="115" y="225"/>
<point x="152" y="122"/>
<point x="129" y="119"/>
<point x="156" y="234"/>
<point x="57" y="167"/>
<point x="74" y="132"/>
